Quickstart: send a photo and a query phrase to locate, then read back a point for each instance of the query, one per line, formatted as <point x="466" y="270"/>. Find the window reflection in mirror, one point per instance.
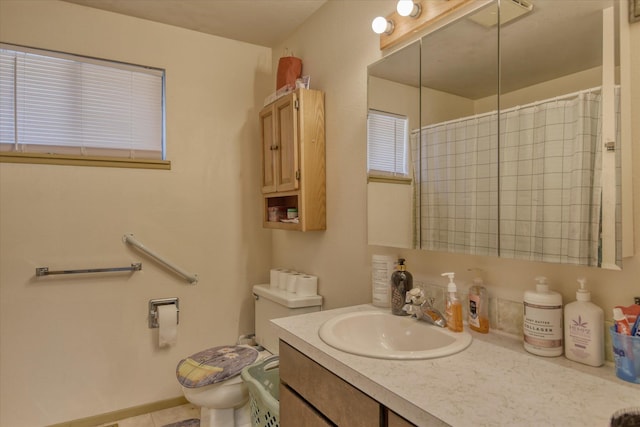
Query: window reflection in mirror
<point x="394" y="92"/>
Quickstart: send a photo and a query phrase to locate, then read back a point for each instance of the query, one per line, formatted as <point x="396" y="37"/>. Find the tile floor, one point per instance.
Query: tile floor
<point x="160" y="418"/>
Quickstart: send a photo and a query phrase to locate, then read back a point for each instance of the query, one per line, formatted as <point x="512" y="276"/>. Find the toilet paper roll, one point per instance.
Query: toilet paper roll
<point x="292" y="282"/>
<point x="307" y="285"/>
<point x="167" y="325"/>
<point x="275" y="277"/>
<point x="284" y="275"/>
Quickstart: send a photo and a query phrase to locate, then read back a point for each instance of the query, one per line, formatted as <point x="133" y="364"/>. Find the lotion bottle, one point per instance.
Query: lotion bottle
<point x="453" y="310"/>
<point x="543" y="325"/>
<point x="584" y="329"/>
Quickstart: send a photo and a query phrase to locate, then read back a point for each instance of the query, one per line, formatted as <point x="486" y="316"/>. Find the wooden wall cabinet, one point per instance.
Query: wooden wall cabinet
<point x="293" y="159"/>
<point x="310" y="395"/>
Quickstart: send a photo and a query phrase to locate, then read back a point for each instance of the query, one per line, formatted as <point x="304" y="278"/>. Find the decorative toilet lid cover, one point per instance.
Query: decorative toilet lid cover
<point x="214" y="365"/>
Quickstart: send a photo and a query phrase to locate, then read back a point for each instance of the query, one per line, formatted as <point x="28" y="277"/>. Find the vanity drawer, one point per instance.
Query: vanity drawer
<point x="336" y="399"/>
<point x="295" y="412"/>
<point x="395" y="420"/>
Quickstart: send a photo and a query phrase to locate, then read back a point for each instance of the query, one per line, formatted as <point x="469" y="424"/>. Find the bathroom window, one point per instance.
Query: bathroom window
<point x="387" y="144"/>
<point x="67" y="109"/>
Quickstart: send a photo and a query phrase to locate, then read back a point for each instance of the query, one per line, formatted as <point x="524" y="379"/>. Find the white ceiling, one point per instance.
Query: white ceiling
<point x="261" y="22"/>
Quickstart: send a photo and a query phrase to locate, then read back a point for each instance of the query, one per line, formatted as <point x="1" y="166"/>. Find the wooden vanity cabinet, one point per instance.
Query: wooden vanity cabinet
<point x="311" y="395"/>
<point x="293" y="159"/>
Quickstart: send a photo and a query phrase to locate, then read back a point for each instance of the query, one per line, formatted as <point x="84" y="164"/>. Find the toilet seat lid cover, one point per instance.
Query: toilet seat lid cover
<point x="214" y="364"/>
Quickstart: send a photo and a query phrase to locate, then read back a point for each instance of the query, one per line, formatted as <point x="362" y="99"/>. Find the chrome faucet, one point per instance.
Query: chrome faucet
<point x="421" y="308"/>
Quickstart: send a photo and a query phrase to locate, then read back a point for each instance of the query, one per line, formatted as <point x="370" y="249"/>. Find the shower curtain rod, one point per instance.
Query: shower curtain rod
<point x="191" y="278"/>
<point x="516" y="108"/>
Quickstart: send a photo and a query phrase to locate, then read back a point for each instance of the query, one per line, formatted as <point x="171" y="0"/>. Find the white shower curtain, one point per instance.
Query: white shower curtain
<point x="550" y="200"/>
<point x="459" y="186"/>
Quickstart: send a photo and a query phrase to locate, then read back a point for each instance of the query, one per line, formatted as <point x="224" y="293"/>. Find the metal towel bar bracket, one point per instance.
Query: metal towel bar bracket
<point x="44" y="271"/>
<point x="191" y="278"/>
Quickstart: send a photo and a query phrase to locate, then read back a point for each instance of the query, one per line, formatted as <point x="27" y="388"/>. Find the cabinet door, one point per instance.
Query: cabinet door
<point x="395" y="420"/>
<point x="338" y="401"/>
<point x="286" y="134"/>
<point x="295" y="412"/>
<point x="267" y="125"/>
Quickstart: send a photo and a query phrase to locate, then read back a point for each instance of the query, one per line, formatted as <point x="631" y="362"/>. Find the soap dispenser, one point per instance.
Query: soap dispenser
<point x="584" y="329"/>
<point x="542" y="321"/>
<point x="453" y="310"/>
<point x="478" y="317"/>
<point x="401" y="283"/>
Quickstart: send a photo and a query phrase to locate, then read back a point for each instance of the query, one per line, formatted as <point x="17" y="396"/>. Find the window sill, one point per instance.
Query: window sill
<point x="390" y="179"/>
<point x="70" y="160"/>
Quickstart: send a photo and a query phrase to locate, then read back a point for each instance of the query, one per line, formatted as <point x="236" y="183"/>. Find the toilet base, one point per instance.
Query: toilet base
<point x="225" y="417"/>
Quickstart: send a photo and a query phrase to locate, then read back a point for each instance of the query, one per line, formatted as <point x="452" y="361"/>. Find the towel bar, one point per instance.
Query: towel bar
<point x="44" y="271"/>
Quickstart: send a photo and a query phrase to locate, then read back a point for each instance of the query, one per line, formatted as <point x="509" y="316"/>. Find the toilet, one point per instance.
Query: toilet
<point x="211" y="378"/>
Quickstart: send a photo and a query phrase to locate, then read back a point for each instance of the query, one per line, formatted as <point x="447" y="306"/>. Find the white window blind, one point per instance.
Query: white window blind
<point x="66" y="104"/>
<point x="387" y="144"/>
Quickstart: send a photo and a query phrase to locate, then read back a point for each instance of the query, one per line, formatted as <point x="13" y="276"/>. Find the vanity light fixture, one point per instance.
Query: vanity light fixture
<point x="413" y="16"/>
<point x="382" y="25"/>
<point x="408" y="8"/>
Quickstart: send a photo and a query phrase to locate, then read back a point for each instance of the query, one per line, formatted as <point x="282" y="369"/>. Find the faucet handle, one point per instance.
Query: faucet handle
<point x="415" y="296"/>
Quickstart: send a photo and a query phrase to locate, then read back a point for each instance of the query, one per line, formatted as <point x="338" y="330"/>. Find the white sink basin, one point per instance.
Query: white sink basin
<point x="385" y="336"/>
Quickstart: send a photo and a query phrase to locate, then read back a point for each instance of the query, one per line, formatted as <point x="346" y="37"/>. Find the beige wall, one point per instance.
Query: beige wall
<point x="72" y="347"/>
<point x="337" y="62"/>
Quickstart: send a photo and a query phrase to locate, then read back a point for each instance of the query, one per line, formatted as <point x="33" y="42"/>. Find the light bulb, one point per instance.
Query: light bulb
<point x="381" y="25"/>
<point x="408" y="8"/>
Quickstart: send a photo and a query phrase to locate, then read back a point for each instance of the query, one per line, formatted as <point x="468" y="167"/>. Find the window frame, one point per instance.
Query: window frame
<point x="40" y="154"/>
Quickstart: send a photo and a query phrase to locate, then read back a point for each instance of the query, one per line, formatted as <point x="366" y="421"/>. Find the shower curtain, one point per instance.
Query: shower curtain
<point x="459" y="186"/>
<point x="549" y="200"/>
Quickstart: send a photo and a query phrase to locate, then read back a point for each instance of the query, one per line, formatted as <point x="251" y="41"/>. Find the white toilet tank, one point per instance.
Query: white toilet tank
<point x="275" y="303"/>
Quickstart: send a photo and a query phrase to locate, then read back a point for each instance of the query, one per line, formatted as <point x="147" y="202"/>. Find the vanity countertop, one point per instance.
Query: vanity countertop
<point x="493" y="382"/>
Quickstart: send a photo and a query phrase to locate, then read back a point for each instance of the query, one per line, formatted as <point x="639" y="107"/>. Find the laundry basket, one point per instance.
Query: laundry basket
<point x="263" y="381"/>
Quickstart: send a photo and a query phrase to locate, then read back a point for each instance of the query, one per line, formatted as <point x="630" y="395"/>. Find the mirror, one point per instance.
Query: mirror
<point x="393" y="98"/>
<point x="496" y="167"/>
<point x="459" y="138"/>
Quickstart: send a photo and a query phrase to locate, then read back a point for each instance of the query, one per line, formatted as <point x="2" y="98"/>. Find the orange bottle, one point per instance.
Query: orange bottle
<point x="478" y="307"/>
<point x="453" y="310"/>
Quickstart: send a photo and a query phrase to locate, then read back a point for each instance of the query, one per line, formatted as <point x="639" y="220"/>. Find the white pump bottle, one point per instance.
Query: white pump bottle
<point x="584" y="329"/>
<point x="543" y="320"/>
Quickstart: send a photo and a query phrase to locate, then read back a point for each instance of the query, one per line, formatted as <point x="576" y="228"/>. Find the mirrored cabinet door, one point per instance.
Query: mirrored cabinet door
<point x="393" y="117"/>
<point x="557" y="103"/>
<point x="458" y="141"/>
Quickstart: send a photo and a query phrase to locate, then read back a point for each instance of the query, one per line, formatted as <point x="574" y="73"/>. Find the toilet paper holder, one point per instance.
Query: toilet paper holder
<point x="153" y="310"/>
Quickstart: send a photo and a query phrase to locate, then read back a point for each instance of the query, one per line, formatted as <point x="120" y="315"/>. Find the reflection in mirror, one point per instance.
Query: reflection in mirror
<point x="394" y="109"/>
<point x="554" y="111"/>
<point x="459" y="138"/>
<point x="507" y="135"/>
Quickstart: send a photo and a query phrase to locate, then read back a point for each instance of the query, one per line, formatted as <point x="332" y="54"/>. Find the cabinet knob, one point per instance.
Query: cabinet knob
<point x="273" y="147"/>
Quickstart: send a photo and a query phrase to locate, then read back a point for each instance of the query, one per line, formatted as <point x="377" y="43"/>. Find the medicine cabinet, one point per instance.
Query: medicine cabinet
<point x="518" y="134"/>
